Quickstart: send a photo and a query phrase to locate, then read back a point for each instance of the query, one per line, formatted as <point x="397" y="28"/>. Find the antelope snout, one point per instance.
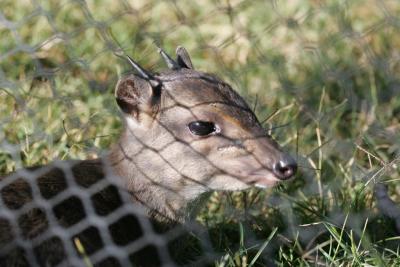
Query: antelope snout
<point x="285" y="168"/>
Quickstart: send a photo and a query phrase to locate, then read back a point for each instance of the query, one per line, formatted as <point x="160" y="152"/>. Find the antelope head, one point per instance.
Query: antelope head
<point x="190" y="132"/>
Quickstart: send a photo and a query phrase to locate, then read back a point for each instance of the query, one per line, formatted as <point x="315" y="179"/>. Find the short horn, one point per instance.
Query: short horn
<point x="170" y="62"/>
<point x="144" y="74"/>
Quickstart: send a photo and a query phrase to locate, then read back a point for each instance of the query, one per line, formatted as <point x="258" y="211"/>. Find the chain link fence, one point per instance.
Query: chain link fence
<point x="321" y="76"/>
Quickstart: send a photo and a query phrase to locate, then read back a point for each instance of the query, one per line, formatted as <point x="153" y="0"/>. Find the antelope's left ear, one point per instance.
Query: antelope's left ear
<point x="135" y="95"/>
<point x="183" y="58"/>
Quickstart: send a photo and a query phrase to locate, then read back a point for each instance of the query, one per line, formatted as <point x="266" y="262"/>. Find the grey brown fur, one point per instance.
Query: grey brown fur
<point x="163" y="166"/>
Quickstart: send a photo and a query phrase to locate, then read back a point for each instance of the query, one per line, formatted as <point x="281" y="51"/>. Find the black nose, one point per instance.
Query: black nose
<point x="285" y="168"/>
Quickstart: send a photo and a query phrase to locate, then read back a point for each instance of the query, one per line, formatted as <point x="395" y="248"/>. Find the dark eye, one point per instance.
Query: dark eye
<point x="202" y="128"/>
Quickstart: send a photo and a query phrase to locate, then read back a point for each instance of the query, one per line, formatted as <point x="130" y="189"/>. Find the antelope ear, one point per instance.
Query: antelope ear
<point x="183" y="58"/>
<point x="134" y="95"/>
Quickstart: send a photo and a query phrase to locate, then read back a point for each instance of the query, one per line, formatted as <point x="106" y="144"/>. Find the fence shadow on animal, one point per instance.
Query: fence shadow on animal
<point x="187" y="133"/>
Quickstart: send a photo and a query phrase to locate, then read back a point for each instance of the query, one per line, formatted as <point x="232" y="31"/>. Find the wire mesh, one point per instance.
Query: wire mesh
<point x="322" y="78"/>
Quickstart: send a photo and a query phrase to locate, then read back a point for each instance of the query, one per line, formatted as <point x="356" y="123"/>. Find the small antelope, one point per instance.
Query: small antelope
<point x="186" y="133"/>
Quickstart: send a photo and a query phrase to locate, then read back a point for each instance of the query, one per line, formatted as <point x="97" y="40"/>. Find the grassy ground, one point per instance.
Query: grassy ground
<point x="327" y="71"/>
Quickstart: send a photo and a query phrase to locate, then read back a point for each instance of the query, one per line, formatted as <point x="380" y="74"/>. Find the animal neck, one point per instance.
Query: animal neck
<point x="151" y="182"/>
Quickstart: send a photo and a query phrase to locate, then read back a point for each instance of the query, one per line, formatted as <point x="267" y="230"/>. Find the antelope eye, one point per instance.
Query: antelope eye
<point x="202" y="128"/>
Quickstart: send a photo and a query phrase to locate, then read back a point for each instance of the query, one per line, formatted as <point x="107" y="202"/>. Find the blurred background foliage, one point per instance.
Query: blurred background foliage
<point x="323" y="76"/>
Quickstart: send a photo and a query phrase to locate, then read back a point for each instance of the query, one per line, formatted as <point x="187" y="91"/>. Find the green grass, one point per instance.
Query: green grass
<point x="327" y="72"/>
